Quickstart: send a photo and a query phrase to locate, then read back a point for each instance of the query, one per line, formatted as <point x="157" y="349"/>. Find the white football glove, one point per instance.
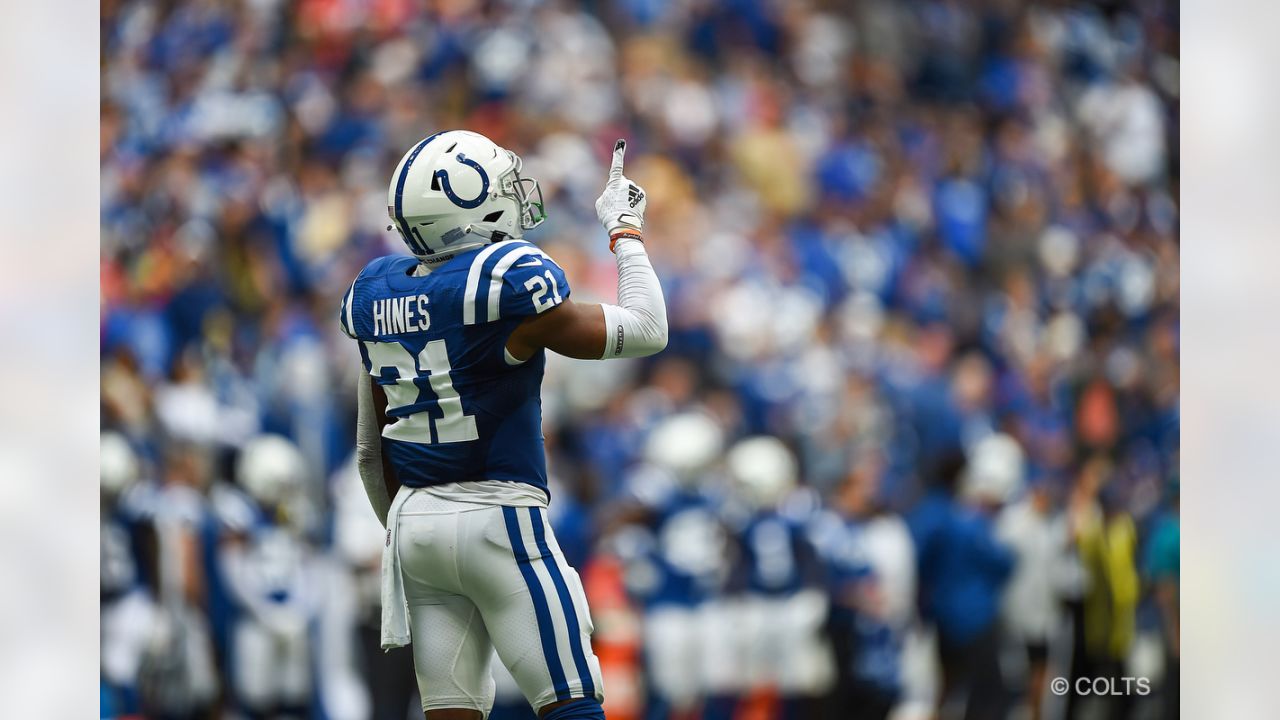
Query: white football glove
<point x="621" y="206"/>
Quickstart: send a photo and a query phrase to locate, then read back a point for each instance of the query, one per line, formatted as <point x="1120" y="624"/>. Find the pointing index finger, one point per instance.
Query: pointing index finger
<point x="619" y="150"/>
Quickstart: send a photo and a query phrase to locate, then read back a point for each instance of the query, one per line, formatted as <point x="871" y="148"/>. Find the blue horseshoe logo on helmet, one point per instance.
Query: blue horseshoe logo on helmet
<point x="475" y="202"/>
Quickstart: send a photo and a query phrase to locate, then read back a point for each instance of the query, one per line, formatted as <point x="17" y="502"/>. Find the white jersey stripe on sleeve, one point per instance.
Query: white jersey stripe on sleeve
<point x="495" y="277"/>
<point x="473" y="282"/>
<point x="349" y="304"/>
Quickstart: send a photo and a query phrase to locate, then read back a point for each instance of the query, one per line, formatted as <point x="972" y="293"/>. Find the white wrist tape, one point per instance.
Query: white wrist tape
<point x="637" y="325"/>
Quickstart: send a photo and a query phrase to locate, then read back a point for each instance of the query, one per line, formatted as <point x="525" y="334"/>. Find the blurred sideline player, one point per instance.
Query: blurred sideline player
<point x="779" y="583"/>
<point x="128" y="603"/>
<point x="884" y="661"/>
<point x="449" y="428"/>
<point x="675" y="547"/>
<point x="289" y="643"/>
<point x="268" y="569"/>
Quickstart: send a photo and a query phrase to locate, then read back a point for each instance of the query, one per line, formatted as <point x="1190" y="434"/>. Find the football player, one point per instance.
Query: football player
<point x="271" y="576"/>
<point x="779" y="580"/>
<point x="449" y="425"/>
<point x="128" y="603"/>
<point x="677" y="564"/>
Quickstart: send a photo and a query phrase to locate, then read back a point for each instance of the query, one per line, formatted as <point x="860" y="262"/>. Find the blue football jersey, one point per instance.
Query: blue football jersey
<point x="460" y="410"/>
<point x="776" y="556"/>
<point x="689" y="555"/>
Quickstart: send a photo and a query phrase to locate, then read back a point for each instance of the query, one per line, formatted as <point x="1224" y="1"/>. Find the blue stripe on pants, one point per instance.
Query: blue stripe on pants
<point x="546" y="630"/>
<point x="566" y="602"/>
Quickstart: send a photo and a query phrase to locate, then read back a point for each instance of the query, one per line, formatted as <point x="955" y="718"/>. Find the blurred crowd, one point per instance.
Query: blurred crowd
<point x="912" y="449"/>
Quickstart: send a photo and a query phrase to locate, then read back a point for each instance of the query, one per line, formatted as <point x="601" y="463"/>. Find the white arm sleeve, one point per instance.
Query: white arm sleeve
<point x="637" y="325"/>
<point x="369" y="448"/>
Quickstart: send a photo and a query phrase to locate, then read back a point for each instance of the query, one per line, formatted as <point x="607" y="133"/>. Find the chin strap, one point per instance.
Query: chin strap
<point x="492" y="235"/>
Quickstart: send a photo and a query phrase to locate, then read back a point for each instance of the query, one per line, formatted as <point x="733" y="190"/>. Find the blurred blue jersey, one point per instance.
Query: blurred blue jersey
<point x="461" y="408"/>
<point x="685" y="562"/>
<point x="776" y="556"/>
<point x="691" y="549"/>
<point x="962" y="566"/>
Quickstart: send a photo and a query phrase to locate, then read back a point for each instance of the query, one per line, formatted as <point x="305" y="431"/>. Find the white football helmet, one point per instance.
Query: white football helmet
<point x="763" y="471"/>
<point x="685" y="445"/>
<point x="118" y="464"/>
<point x="270" y="468"/>
<point x="995" y="471"/>
<point x="456" y="190"/>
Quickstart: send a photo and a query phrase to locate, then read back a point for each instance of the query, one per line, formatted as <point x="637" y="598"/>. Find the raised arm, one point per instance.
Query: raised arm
<point x="637" y="325"/>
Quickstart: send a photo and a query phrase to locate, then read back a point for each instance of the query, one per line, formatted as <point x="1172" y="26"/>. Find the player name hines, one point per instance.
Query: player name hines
<point x="392" y="316"/>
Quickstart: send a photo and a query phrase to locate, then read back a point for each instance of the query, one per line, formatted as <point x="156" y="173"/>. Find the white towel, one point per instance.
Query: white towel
<point x="395" y="606"/>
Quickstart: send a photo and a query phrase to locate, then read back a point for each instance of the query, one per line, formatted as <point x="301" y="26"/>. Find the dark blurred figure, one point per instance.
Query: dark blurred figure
<point x="962" y="569"/>
<point x="872" y="570"/>
<point x="1162" y="565"/>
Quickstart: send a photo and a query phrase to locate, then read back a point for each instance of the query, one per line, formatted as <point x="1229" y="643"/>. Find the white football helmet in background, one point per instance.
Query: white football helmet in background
<point x="995" y="471"/>
<point x="270" y="469"/>
<point x="118" y="465"/>
<point x="685" y="444"/>
<point x="456" y="190"/>
<point x="763" y="471"/>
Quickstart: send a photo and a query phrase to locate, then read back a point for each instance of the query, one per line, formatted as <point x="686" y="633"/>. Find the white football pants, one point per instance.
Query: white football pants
<point x="485" y="577"/>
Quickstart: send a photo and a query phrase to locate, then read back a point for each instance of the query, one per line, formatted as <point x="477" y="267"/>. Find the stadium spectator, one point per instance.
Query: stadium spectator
<point x="874" y="598"/>
<point x="1163" y="570"/>
<point x="1037" y="534"/>
<point x="962" y="569"/>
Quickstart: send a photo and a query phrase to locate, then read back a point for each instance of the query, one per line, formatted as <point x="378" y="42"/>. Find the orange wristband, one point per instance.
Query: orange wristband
<point x="624" y="234"/>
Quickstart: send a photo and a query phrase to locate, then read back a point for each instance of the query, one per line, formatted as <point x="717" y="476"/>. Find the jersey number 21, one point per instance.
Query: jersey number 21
<point x="452" y="425"/>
